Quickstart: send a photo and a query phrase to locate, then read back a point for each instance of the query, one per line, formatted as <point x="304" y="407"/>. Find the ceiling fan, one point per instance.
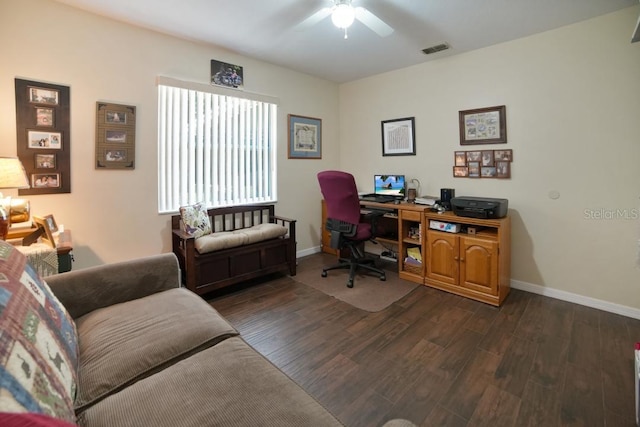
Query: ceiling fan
<point x="343" y="14"/>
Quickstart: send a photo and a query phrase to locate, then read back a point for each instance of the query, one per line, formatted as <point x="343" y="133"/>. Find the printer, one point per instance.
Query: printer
<point x="480" y="207"/>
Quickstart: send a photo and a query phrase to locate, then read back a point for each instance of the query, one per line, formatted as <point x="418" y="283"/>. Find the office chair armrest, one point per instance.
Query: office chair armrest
<point x="339" y="230"/>
<point x="345" y="228"/>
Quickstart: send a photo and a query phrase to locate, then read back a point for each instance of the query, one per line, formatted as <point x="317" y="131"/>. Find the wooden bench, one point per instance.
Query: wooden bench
<point x="206" y="272"/>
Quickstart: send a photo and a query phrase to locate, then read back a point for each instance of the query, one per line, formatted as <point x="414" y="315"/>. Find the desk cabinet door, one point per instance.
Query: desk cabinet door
<point x="442" y="259"/>
<point x="479" y="265"/>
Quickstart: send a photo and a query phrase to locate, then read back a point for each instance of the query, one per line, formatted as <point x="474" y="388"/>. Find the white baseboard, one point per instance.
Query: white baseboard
<point x="548" y="292"/>
<point x="577" y="299"/>
<point x="305" y="252"/>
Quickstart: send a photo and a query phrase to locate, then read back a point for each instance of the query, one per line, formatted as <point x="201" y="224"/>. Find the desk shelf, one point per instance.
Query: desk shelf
<point x="387" y="241"/>
<point x="411" y="228"/>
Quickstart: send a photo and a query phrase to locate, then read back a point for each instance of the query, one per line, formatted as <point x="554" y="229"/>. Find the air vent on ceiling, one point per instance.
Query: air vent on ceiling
<point x="436" y="48"/>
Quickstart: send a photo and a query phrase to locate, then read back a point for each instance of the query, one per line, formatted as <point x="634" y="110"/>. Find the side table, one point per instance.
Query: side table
<point x="40" y="254"/>
<point x="64" y="248"/>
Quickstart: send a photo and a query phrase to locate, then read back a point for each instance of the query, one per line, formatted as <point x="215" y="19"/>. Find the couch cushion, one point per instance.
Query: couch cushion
<point x="244" y="236"/>
<point x="38" y="342"/>
<point x="125" y="342"/>
<point x="195" y="220"/>
<point x="226" y="385"/>
<point x="31" y="420"/>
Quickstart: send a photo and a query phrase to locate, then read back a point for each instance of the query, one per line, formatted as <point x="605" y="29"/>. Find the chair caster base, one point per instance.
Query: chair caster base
<point x="383" y="278"/>
<point x="350" y="284"/>
<point x="324" y="273"/>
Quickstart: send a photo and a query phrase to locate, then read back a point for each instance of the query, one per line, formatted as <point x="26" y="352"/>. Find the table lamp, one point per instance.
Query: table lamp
<point x="12" y="176"/>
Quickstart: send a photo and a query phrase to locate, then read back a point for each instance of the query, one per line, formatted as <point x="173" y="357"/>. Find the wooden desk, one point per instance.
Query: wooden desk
<point x="474" y="263"/>
<point x="400" y="230"/>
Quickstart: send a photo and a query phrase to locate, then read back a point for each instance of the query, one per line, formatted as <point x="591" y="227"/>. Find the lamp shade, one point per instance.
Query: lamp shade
<point x="12" y="173"/>
<point x="343" y="15"/>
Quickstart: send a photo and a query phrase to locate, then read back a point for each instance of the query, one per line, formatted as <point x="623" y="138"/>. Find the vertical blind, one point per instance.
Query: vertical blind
<point x="215" y="149"/>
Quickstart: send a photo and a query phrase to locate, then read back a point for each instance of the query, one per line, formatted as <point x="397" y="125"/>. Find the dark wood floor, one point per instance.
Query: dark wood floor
<point x="441" y="360"/>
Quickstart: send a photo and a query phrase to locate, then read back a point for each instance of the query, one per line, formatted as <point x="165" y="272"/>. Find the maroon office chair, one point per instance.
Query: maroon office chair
<point x="343" y="221"/>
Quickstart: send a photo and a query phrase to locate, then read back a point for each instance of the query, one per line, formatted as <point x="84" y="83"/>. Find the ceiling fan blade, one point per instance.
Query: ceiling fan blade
<point x="376" y="24"/>
<point x="313" y="19"/>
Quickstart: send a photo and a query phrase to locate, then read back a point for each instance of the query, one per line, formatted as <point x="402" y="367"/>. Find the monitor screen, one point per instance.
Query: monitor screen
<point x="389" y="185"/>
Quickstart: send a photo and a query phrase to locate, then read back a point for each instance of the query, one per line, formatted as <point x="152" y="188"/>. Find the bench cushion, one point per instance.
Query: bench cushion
<point x="244" y="236"/>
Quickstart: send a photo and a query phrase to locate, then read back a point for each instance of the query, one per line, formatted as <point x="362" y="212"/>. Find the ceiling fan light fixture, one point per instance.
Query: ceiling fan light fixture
<point x="343" y="15"/>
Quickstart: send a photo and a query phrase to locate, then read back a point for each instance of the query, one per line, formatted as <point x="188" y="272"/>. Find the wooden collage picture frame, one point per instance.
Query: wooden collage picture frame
<point x="43" y="136"/>
<point x="115" y="136"/>
<point x="483" y="164"/>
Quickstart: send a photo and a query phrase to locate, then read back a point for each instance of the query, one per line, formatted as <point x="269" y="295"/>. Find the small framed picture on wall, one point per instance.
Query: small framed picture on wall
<point x="115" y="136"/>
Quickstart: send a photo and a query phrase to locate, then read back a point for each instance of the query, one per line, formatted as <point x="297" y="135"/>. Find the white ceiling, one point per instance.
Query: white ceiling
<point x="264" y="29"/>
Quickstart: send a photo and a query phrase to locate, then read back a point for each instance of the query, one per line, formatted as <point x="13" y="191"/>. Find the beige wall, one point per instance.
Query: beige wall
<point x="572" y="107"/>
<point x="113" y="214"/>
<point x="572" y="112"/>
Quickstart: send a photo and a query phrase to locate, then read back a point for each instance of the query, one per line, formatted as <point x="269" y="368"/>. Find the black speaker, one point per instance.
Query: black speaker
<point x="446" y="194"/>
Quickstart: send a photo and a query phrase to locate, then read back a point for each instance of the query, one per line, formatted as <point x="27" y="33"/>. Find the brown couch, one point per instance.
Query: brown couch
<point x="154" y="354"/>
<point x="124" y="345"/>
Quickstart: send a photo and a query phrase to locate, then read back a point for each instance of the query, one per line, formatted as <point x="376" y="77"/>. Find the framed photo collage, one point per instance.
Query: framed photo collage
<point x="43" y="143"/>
<point x="483" y="164"/>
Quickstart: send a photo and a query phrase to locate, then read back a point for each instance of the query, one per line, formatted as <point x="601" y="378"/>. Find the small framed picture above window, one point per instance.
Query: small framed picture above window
<point x="225" y="74"/>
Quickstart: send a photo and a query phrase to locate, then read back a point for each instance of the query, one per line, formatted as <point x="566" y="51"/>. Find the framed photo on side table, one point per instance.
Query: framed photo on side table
<point x="483" y="126"/>
<point x="48" y="224"/>
<point x="305" y="137"/>
<point x="399" y="137"/>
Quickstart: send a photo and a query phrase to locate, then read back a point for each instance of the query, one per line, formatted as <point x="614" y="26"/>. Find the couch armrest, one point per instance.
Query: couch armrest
<point x="83" y="291"/>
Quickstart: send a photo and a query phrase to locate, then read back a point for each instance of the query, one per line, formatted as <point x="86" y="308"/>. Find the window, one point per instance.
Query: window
<point x="213" y="146"/>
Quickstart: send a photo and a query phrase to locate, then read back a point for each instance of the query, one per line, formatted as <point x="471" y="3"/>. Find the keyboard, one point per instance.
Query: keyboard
<point x="377" y="198"/>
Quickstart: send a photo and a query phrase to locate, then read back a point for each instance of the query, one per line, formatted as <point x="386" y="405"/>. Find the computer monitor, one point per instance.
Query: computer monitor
<point x="389" y="185"/>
